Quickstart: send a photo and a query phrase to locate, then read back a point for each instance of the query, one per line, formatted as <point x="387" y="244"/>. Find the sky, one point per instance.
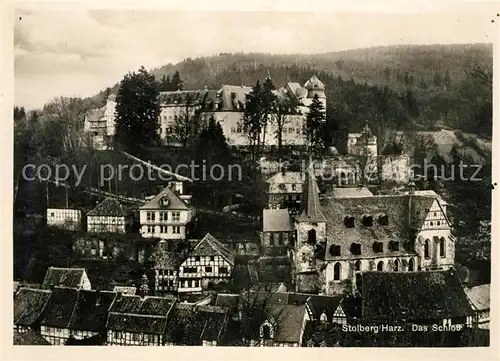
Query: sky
<point x="78" y="52"/>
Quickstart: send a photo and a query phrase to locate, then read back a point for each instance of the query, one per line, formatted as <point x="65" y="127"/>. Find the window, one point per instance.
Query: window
<point x="294" y="187"/>
<point x="176" y="230"/>
<point x="212" y="258"/>
<point x="411" y="265"/>
<point x="163" y="229"/>
<point x="357" y="266"/>
<point x="197" y="259"/>
<point x="163" y="216"/>
<point x="378" y="247"/>
<point x="442" y="247"/>
<point x="271" y="239"/>
<point x="394" y="246"/>
<point x="432" y="223"/>
<point x="396" y="266"/>
<point x="438" y="223"/>
<point x="196" y="283"/>
<point x="383" y="220"/>
<point x="335" y="250"/>
<point x="367" y="221"/>
<point x="311" y="236"/>
<point x="380" y="266"/>
<point x="208" y="269"/>
<point x="233" y="129"/>
<point x="190" y="269"/>
<point x="239" y="129"/>
<point x="349" y="222"/>
<point x="223" y="270"/>
<point x="336" y="271"/>
<point x="176" y="216"/>
<point x="426" y="248"/>
<point x="281" y="237"/>
<point x="150" y="216"/>
<point x="52" y="214"/>
<point x="355" y="249"/>
<point x="434" y="214"/>
<point x="151" y="229"/>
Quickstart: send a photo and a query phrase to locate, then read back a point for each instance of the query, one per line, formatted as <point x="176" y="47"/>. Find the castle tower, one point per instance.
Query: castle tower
<point x="310" y="228"/>
<point x="314" y="86"/>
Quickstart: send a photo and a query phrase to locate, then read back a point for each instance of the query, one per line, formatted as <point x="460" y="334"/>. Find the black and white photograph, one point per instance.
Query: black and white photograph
<point x="253" y="178"/>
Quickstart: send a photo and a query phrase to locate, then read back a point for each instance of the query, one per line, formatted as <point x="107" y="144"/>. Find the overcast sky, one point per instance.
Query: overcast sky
<point x="80" y="52"/>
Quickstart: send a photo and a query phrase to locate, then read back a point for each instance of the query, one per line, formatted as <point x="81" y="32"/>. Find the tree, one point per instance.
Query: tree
<point x="177" y="83"/>
<point x="251" y="121"/>
<point x="314" y="125"/>
<point x="267" y="101"/>
<point x="137" y="110"/>
<point x="281" y="116"/>
<point x="187" y="121"/>
<point x="19" y="113"/>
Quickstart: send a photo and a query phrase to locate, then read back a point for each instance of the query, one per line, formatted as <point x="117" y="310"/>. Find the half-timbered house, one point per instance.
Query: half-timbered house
<point x="67" y="277"/>
<point x="28" y="306"/>
<point x="210" y="262"/>
<point x="277" y="231"/>
<point x="285" y="190"/>
<point x="65" y="218"/>
<point x="110" y="216"/>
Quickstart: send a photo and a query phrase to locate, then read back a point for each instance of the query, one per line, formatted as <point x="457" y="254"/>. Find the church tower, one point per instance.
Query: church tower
<point x="314" y="86"/>
<point x="310" y="228"/>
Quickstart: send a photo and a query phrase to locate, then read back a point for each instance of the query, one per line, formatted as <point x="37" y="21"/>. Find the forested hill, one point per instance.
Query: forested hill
<point x="427" y="65"/>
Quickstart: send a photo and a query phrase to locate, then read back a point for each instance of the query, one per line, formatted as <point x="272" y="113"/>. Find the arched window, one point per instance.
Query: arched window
<point x="357" y="265"/>
<point x="349" y="222"/>
<point x="336" y="271"/>
<point x="311" y="236"/>
<point x="380" y="266"/>
<point x="442" y="247"/>
<point x="367" y="221"/>
<point x="323" y="317"/>
<point x="426" y="248"/>
<point x="396" y="266"/>
<point x="411" y="265"/>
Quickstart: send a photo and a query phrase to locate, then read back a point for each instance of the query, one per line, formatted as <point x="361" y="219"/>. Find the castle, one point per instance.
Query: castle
<point x="226" y="105"/>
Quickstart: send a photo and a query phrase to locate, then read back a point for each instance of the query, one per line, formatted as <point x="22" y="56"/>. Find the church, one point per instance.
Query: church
<point x="337" y="238"/>
<point x="225" y="104"/>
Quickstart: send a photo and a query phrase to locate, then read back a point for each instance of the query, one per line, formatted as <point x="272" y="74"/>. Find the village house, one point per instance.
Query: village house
<point x="166" y="216"/>
<point x="479" y="297"/>
<point x="285" y="190"/>
<point x="166" y="266"/>
<point x="68" y="277"/>
<point x="99" y="124"/>
<point x="136" y="321"/>
<point x="277" y="232"/>
<point x="28" y="306"/>
<point x="109" y="216"/>
<point x="209" y="263"/>
<point x="65" y="218"/>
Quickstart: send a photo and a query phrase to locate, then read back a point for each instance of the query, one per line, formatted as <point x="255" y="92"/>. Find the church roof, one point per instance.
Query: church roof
<point x="310" y="208"/>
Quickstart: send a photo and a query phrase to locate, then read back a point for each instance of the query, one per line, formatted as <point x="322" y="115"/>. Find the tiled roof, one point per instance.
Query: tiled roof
<point x="413" y="296"/>
<point x="314" y="84"/>
<point x="289" y="322"/>
<point x="229" y="101"/>
<point x="185" y="326"/>
<point x="227" y="300"/>
<point x="29" y="305"/>
<point x="60" y="307"/>
<point x="351" y="192"/>
<point x="29" y="338"/>
<point x="420" y="209"/>
<point x="163" y="259"/>
<point x="310" y="207"/>
<point x="126" y="304"/>
<point x="210" y="246"/>
<point x="136" y="323"/>
<point x="109" y="207"/>
<point x="215" y="323"/>
<point x="183" y="97"/>
<point x="479" y="296"/>
<point x="125" y="290"/>
<point x="68" y="277"/>
<point x="91" y="311"/>
<point x="276" y="220"/>
<point x="175" y="203"/>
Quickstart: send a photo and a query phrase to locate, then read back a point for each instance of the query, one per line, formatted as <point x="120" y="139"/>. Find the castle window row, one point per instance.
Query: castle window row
<point x="366" y="221"/>
<point x="355" y="248"/>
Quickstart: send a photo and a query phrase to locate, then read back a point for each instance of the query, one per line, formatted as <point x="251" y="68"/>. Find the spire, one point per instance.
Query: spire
<point x="310" y="208"/>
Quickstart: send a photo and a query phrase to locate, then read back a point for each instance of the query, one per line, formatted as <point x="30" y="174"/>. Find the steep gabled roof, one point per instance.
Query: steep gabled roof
<point x="67" y="277"/>
<point x="29" y="305"/>
<point x="310" y="207"/>
<point x="420" y="209"/>
<point x="60" y="307"/>
<point x="91" y="310"/>
<point x="324" y="304"/>
<point x="29" y="338"/>
<point x="392" y="296"/>
<point x="175" y="203"/>
<point x="289" y="322"/>
<point x="109" y="207"/>
<point x="479" y="296"/>
<point x="210" y="246"/>
<point x="136" y="323"/>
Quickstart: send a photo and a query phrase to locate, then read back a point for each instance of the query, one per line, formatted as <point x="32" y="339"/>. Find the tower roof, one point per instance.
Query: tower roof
<point x="310" y="208"/>
<point x="314" y="84"/>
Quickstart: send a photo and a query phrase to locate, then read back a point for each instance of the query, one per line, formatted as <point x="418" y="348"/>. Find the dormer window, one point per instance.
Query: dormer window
<point x="367" y="221"/>
<point x="383" y="220"/>
<point x="349" y="222"/>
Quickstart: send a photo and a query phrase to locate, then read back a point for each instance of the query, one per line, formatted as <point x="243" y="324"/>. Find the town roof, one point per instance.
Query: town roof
<point x="29" y="338"/>
<point x="185" y="325"/>
<point x="136" y="323"/>
<point x="310" y="208"/>
<point x="175" y="203"/>
<point x="91" y="310"/>
<point x="227" y="300"/>
<point x="276" y="220"/>
<point x="351" y="192"/>
<point x="231" y="97"/>
<point x="413" y="296"/>
<point x="126" y="304"/>
<point x="210" y="246"/>
<point x="479" y="296"/>
<point x="67" y="277"/>
<point x="323" y="304"/>
<point x="215" y="323"/>
<point x="28" y="305"/>
<point x="109" y="207"/>
<point x="289" y="319"/>
<point x="60" y="307"/>
<point x="183" y="97"/>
